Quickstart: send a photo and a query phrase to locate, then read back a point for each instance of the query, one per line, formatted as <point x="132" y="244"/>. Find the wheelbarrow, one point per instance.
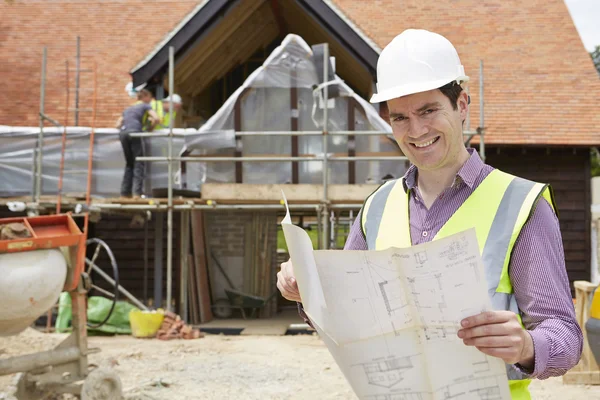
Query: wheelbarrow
<point x="242" y="301"/>
<point x="238" y="299"/>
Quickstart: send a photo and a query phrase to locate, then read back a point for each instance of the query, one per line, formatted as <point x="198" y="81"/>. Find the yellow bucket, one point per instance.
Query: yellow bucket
<point x="145" y="323"/>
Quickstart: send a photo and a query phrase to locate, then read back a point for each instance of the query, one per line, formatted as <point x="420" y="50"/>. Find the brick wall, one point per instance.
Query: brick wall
<point x="117" y="34"/>
<point x="127" y="242"/>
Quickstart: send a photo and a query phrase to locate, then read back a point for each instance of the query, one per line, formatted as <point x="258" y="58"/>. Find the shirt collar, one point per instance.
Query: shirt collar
<point x="468" y="173"/>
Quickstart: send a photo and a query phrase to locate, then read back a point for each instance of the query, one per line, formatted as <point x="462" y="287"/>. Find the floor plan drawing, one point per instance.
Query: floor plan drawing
<point x="398" y="396"/>
<point x="421" y="257"/>
<point x="477" y="388"/>
<point x="390" y="317"/>
<point x="456" y="248"/>
<point x="386" y="373"/>
<point x="393" y="296"/>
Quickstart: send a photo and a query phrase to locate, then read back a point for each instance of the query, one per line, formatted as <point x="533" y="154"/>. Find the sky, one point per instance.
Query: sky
<point x="586" y="16"/>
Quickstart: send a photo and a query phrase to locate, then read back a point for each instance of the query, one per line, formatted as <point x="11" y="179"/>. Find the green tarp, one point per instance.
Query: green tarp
<point x="98" y="308"/>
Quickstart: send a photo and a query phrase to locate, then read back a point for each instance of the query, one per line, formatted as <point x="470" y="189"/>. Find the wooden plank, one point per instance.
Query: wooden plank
<point x="269" y="328"/>
<point x="588" y="212"/>
<point x="200" y="261"/>
<point x="583" y="289"/>
<point x="272" y="192"/>
<point x="193" y="299"/>
<point x="249" y="264"/>
<point x="351" y="141"/>
<point x="215" y="40"/>
<point x="581" y="378"/>
<point x="237" y="125"/>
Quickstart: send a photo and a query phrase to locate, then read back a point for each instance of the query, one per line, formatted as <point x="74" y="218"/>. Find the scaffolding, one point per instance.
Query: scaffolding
<point x="328" y="220"/>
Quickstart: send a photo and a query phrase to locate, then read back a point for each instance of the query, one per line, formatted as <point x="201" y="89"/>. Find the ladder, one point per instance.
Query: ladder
<point x="92" y="70"/>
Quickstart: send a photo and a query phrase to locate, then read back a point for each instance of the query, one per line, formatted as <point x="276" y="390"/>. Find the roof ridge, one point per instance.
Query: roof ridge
<point x="353" y="25"/>
<point x="169" y="35"/>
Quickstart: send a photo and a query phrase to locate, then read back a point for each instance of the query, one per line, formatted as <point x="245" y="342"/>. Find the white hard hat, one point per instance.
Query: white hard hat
<point x="131" y="91"/>
<point x="416" y="61"/>
<point x="176" y="99"/>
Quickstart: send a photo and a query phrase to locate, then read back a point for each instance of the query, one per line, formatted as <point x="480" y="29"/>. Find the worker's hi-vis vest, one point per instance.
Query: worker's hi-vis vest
<point x="498" y="208"/>
<point x="164" y="117"/>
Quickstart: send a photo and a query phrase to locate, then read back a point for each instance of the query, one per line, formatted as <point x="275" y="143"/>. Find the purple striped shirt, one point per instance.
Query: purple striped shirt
<point x="537" y="268"/>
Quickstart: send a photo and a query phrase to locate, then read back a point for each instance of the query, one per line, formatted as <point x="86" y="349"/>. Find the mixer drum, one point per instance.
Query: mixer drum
<point x="30" y="284"/>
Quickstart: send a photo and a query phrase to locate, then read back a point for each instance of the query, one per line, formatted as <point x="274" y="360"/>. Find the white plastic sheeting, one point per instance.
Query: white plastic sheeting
<point x="266" y="106"/>
<point x="17" y="146"/>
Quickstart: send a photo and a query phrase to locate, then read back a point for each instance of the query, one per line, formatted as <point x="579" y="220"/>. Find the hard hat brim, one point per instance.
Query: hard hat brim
<point x="405" y="90"/>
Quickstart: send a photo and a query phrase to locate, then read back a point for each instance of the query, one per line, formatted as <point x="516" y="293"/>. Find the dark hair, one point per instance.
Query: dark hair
<point x="452" y="91"/>
<point x="144" y="92"/>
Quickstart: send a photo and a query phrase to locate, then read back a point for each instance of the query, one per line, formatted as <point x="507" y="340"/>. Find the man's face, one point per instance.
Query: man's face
<point x="428" y="129"/>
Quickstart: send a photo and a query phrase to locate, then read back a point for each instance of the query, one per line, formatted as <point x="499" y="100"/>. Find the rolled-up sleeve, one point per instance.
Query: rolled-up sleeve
<point x="541" y="287"/>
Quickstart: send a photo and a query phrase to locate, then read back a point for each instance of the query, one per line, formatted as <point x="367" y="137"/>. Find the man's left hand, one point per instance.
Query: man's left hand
<point x="499" y="334"/>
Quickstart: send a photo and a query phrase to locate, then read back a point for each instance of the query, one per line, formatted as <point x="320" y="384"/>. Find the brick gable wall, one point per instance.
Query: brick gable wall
<point x="117" y="34"/>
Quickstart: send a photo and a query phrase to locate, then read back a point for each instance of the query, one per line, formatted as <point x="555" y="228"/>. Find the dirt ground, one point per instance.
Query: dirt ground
<point x="230" y="367"/>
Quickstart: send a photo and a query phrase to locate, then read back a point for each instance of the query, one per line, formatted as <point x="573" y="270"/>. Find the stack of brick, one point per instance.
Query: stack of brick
<point x="15" y="230"/>
<point x="173" y="327"/>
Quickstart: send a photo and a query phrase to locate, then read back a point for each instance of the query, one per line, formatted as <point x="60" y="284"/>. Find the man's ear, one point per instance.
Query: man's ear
<point x="463" y="104"/>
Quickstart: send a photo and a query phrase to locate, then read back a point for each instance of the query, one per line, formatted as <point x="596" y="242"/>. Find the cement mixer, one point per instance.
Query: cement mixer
<point x="40" y="257"/>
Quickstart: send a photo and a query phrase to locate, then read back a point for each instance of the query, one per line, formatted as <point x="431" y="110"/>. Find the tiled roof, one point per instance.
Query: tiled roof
<point x="540" y="86"/>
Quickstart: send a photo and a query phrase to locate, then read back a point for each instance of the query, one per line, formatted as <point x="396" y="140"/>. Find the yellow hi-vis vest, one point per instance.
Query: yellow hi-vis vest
<point x="164" y="117"/>
<point x="498" y="208"/>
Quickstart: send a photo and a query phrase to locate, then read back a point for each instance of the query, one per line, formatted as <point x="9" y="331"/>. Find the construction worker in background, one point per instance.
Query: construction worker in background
<point x="449" y="189"/>
<point x="142" y="96"/>
<point x="132" y="121"/>
<point x="161" y="108"/>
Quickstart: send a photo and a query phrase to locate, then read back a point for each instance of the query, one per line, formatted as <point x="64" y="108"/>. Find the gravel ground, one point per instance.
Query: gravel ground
<point x="231" y="367"/>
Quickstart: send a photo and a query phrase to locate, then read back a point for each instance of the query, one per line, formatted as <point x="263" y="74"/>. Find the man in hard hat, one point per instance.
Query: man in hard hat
<point x="142" y="96"/>
<point x="449" y="189"/>
<point x="161" y="108"/>
<point x="132" y="121"/>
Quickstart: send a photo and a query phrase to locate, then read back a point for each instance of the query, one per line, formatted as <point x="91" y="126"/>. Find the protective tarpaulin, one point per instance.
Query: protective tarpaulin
<point x="17" y="145"/>
<point x="265" y="105"/>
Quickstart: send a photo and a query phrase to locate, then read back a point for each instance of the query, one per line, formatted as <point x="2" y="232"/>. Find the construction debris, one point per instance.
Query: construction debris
<point x="173" y="327"/>
<point x="15" y="230"/>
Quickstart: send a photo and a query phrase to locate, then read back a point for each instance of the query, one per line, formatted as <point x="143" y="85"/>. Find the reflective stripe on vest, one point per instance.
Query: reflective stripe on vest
<point x="164" y="117"/>
<point x="498" y="209"/>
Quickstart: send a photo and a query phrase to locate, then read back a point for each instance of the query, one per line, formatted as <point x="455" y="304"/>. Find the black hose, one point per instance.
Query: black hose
<point x="115" y="268"/>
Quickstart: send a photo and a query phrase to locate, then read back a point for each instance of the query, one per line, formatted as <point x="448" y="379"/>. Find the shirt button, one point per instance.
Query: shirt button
<point x="424" y="234"/>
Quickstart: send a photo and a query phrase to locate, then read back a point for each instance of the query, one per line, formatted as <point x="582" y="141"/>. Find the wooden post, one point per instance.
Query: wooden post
<point x="587" y="371"/>
<point x="202" y="282"/>
<point x="237" y="126"/>
<point x="351" y="142"/>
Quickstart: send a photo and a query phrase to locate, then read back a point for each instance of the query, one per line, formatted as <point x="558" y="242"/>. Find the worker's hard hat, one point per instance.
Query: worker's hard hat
<point x="416" y="61"/>
<point x="176" y="99"/>
<point x="133" y="92"/>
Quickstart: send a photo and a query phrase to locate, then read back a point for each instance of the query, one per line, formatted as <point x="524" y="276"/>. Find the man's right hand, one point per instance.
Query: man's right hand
<point x="286" y="283"/>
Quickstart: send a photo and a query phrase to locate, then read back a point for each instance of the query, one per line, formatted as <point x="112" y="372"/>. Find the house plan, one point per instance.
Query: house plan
<point x="390" y="318"/>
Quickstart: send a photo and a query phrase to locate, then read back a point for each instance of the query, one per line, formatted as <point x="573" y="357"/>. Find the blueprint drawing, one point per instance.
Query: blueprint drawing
<point x="390" y="317"/>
